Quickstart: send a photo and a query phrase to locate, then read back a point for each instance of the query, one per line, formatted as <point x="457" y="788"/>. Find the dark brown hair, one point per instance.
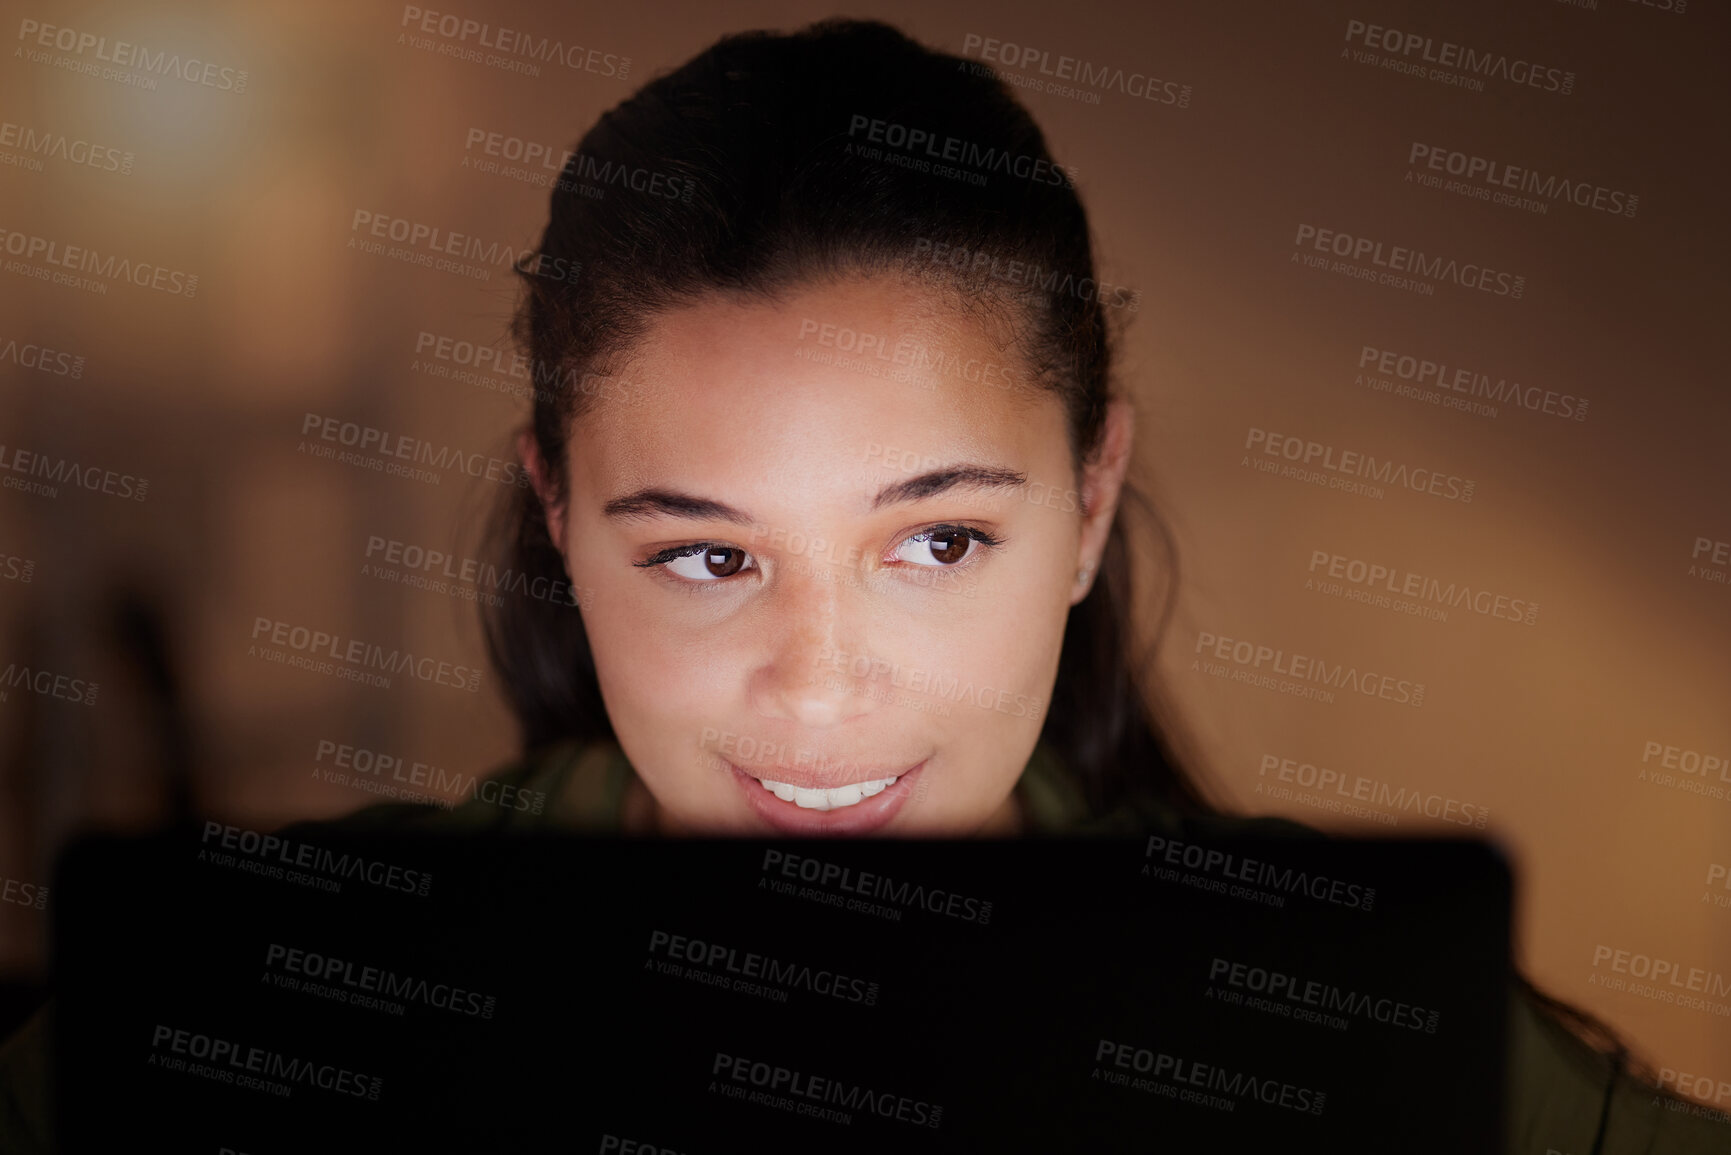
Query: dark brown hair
<point x="786" y="159"/>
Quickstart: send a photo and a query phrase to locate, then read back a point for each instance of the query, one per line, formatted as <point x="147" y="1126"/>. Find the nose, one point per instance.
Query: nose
<point x="815" y="673"/>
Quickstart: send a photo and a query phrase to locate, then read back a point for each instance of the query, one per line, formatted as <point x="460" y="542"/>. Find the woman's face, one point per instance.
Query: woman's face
<point x="825" y="544"/>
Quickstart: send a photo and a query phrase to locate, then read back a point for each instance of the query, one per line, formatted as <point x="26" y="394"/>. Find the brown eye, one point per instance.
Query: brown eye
<point x="950" y="548"/>
<point x="935" y="548"/>
<point x="708" y="563"/>
<point x="723" y="562"/>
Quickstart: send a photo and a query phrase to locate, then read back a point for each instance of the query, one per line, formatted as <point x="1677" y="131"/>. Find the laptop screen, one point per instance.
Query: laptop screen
<point x="227" y="990"/>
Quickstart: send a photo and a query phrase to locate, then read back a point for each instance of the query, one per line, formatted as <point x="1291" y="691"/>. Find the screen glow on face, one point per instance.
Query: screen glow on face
<point x="779" y="602"/>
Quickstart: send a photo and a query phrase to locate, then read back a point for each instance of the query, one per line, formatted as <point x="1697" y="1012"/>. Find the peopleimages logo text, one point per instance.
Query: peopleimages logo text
<point x="1070" y="68"/>
<point x="1400" y="259"/>
<point x="1448" y="54"/>
<point x="367" y="438"/>
<point x="78" y="258"/>
<point x="939" y="146"/>
<point x="42" y="359"/>
<point x="1501" y="175"/>
<point x="831" y="875"/>
<point x="842" y="1095"/>
<point x="1357" y="463"/>
<point x="432" y="246"/>
<point x="274" y="850"/>
<point x="526" y="46"/>
<point x="1209" y="860"/>
<point x="227" y="1061"/>
<point x="57" y="471"/>
<point x="360" y="655"/>
<point x="1471" y="382"/>
<point x="127" y="55"/>
<point x="59" y="146"/>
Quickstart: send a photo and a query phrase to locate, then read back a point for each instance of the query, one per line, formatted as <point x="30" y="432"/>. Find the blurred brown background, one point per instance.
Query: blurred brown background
<point x="248" y="174"/>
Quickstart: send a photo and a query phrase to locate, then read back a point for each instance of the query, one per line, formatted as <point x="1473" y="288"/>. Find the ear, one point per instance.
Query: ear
<point x="1102" y="482"/>
<point x="541" y="478"/>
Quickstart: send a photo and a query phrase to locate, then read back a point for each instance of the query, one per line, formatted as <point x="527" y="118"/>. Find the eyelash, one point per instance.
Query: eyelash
<point x="660" y="559"/>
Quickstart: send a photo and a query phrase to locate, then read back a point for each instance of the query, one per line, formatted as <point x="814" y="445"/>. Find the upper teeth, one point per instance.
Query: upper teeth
<point x="821" y="799"/>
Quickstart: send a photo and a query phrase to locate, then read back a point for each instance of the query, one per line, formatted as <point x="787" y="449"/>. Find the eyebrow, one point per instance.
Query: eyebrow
<point x="654" y="502"/>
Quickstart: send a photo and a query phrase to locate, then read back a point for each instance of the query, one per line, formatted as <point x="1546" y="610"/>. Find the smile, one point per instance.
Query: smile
<point x="807" y="809"/>
<point x="830" y="799"/>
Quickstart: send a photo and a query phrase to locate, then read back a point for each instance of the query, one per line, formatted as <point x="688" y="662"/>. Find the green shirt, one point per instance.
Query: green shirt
<point x="1561" y="1092"/>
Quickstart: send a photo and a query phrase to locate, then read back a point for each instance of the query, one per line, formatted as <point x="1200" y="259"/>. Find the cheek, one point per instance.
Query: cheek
<point x="649" y="670"/>
<point x="991" y="667"/>
<point x="998" y="630"/>
<point x="664" y="697"/>
<point x="1021" y="623"/>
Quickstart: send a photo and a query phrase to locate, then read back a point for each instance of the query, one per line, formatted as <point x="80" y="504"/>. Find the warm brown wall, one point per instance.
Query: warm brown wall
<point x="1197" y="207"/>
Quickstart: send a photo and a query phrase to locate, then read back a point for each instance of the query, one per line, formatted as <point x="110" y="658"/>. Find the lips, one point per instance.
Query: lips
<point x="833" y="798"/>
<point x="828" y="809"/>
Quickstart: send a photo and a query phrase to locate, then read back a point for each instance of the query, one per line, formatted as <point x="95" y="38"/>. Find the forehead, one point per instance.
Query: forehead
<point x="819" y="383"/>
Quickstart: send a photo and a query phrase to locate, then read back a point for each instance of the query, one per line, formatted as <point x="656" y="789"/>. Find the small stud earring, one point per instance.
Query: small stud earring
<point x="1083" y="574"/>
